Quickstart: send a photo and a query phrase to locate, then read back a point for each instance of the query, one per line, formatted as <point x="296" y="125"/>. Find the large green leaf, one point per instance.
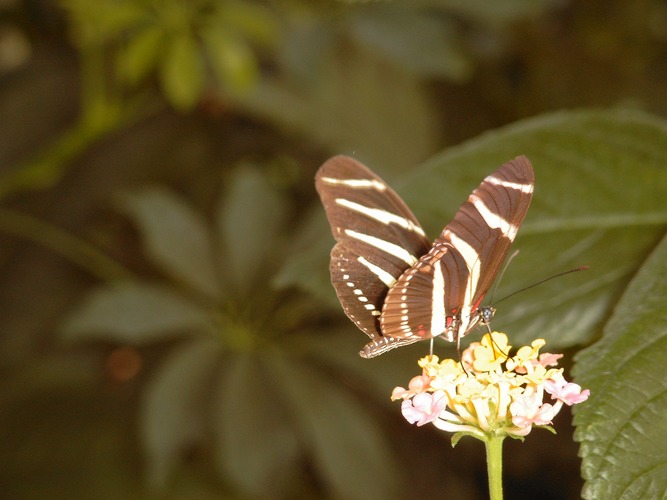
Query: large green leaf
<point x="140" y="56"/>
<point x="232" y="60"/>
<point x="174" y="405"/>
<point x="344" y="440"/>
<point x="135" y="313"/>
<point x="348" y="100"/>
<point x="257" y="448"/>
<point x="306" y="265"/>
<point x="176" y="238"/>
<point x="413" y="39"/>
<point x="622" y="427"/>
<point x="250" y="218"/>
<point x="338" y="350"/>
<point x="599" y="201"/>
<point x="182" y="70"/>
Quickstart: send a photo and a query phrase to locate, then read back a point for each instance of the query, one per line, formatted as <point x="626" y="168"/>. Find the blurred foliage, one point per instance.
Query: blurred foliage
<point x="183" y="42"/>
<point x="217" y="361"/>
<point x="268" y="403"/>
<point x="325" y="69"/>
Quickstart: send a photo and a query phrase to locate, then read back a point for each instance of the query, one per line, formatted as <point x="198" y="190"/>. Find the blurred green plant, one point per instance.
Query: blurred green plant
<point x="357" y="79"/>
<point x="189" y="46"/>
<point x="184" y="43"/>
<point x="352" y="77"/>
<point x="243" y="373"/>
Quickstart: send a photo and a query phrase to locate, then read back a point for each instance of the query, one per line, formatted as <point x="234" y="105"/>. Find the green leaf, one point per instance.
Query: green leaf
<point x="256" y="445"/>
<point x="232" y="60"/>
<point x="140" y="56"/>
<point x="175" y="405"/>
<point x="182" y="73"/>
<point x="250" y="218"/>
<point x="305" y="266"/>
<point x="344" y="440"/>
<point x="134" y="313"/>
<point x="346" y="104"/>
<point x="584" y="163"/>
<point x="413" y="39"/>
<point x="176" y="238"/>
<point x="622" y="426"/>
<point x="338" y="349"/>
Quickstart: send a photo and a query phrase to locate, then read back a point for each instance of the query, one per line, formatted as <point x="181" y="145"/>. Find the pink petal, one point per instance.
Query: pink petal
<point x="567" y="392"/>
<point x="416" y="385"/>
<point x="545" y="414"/>
<point x="419" y="384"/>
<point x="423" y="408"/>
<point x="399" y="393"/>
<point x="529" y="410"/>
<point x="548" y="359"/>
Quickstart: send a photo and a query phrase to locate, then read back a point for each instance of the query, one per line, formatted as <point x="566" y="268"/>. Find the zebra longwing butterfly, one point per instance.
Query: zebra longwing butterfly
<point x="395" y="285"/>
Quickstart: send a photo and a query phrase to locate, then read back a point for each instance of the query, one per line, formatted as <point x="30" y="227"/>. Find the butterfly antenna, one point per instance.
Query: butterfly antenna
<point x="558" y="275"/>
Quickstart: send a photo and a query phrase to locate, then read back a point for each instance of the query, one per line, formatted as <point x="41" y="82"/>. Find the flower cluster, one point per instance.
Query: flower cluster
<point x="489" y="393"/>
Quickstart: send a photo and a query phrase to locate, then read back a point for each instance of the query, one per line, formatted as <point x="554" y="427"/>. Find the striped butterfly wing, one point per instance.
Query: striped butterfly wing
<point x="441" y="294"/>
<point x="377" y="240"/>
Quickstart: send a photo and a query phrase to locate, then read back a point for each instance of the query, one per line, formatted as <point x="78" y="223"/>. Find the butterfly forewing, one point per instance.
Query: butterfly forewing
<point x="377" y="240"/>
<point x="441" y="294"/>
<point x="489" y="221"/>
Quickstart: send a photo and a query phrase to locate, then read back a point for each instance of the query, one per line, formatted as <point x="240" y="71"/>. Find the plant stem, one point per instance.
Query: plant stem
<point x="494" y="465"/>
<point x="69" y="246"/>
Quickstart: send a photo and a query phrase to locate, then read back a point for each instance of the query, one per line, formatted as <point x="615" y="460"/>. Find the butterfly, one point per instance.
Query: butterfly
<point x="393" y="283"/>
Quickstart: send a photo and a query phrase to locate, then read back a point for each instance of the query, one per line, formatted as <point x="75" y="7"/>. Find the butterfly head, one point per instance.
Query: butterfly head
<point x="486" y="314"/>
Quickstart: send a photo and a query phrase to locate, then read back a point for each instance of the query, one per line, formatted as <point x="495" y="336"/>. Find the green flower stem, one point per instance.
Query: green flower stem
<point x="494" y="465"/>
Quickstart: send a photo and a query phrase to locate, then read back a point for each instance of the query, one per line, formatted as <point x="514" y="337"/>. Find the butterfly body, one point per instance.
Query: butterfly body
<point x="396" y="285"/>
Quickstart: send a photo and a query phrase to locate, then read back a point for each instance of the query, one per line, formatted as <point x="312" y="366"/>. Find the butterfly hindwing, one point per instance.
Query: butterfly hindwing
<point x="377" y="239"/>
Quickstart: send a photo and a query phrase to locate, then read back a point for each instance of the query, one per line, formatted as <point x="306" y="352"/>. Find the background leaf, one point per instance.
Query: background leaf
<point x="344" y="440"/>
<point x="140" y="56"/>
<point x="135" y="313"/>
<point x="257" y="445"/>
<point x="182" y="73"/>
<point x="176" y="238"/>
<point x="232" y="60"/>
<point x="622" y="426"/>
<point x="175" y="404"/>
<point x="250" y="218"/>
<point x="348" y="105"/>
<point x="416" y="40"/>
